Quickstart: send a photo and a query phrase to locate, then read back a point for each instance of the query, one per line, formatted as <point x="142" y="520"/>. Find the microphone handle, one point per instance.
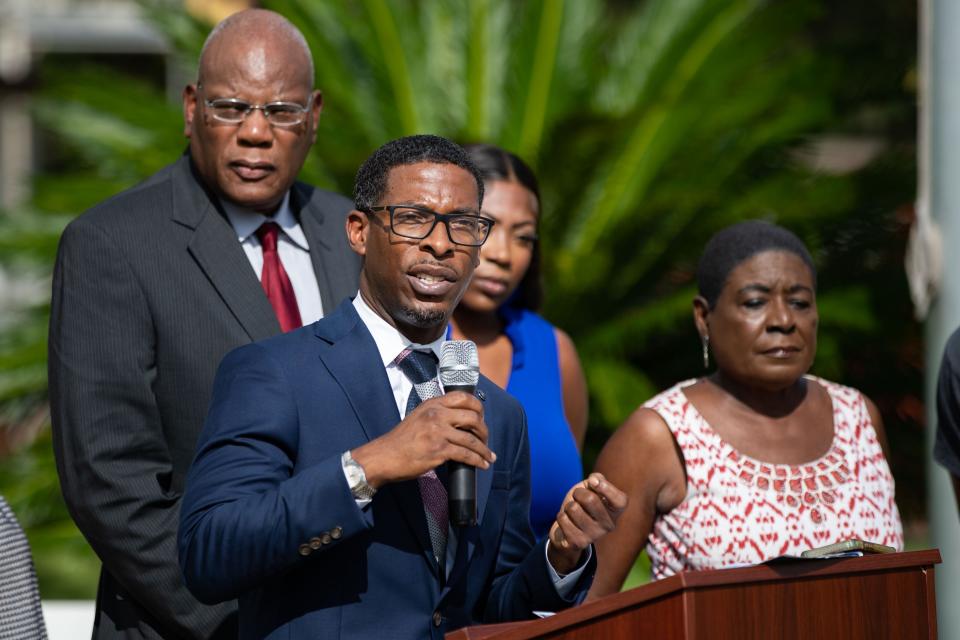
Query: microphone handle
<point x="462" y="483"/>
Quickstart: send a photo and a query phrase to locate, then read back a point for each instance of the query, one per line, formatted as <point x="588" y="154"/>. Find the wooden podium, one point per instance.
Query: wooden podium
<point x="876" y="596"/>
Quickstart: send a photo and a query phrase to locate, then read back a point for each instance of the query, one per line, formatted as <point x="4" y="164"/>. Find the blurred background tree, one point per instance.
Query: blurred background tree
<point x="651" y="125"/>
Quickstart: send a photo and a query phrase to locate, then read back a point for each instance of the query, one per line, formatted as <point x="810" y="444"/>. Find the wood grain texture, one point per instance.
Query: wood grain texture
<point x="876" y="597"/>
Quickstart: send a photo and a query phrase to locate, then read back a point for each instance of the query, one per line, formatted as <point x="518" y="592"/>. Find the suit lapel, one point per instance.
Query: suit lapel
<point x="215" y="247"/>
<point x="354" y="362"/>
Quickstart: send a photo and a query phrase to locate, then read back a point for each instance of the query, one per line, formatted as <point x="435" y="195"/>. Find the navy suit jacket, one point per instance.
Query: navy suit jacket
<point x="268" y="517"/>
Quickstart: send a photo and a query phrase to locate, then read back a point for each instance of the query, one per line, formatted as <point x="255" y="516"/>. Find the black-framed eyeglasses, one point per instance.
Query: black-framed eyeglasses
<point x="409" y="221"/>
<point x="279" y="114"/>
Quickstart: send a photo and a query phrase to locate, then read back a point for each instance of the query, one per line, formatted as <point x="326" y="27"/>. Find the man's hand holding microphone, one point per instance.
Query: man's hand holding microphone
<point x="450" y="428"/>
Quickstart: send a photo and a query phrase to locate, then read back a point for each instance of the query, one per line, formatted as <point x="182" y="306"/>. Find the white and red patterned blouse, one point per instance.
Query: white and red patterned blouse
<point x="739" y="510"/>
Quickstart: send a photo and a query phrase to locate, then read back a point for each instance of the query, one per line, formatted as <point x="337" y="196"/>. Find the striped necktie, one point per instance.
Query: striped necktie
<point x="421" y="369"/>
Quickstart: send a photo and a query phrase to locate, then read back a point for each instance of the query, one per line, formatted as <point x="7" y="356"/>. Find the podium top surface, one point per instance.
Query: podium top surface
<point x="770" y="571"/>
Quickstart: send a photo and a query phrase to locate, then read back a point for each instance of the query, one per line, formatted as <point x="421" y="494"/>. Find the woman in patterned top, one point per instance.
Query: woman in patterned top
<point x="758" y="459"/>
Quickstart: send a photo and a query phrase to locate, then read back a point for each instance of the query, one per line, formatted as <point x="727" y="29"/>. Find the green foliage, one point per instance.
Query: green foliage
<point x="651" y="126"/>
<point x="108" y="139"/>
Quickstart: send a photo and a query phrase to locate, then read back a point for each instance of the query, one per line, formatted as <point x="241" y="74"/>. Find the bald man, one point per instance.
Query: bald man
<point x="155" y="285"/>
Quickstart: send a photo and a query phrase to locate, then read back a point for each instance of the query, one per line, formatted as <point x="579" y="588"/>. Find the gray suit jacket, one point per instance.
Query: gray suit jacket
<point x="151" y="289"/>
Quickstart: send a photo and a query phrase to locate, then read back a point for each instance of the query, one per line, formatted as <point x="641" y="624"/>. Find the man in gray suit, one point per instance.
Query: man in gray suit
<point x="155" y="285"/>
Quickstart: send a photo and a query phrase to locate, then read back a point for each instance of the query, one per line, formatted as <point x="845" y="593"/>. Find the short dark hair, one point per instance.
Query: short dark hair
<point x="371" y="182"/>
<point x="496" y="164"/>
<point x="734" y="244"/>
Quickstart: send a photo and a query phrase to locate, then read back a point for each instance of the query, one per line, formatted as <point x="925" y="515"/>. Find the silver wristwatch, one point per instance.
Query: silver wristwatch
<point x="356" y="478"/>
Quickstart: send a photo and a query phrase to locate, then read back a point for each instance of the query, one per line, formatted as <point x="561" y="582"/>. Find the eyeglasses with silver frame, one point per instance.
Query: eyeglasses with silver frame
<point x="279" y="114"/>
<point x="410" y="221"/>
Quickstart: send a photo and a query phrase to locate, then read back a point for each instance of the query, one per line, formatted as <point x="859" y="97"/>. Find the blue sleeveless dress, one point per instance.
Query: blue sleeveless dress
<point x="535" y="381"/>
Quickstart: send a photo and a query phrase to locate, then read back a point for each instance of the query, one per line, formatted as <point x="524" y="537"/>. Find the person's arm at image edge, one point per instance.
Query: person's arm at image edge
<point x="947" y="438"/>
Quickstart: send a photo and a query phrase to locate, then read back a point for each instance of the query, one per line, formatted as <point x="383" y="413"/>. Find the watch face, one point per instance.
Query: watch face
<point x="354" y="473"/>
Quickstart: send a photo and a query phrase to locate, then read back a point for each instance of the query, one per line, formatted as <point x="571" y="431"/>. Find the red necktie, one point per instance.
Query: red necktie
<point x="274" y="279"/>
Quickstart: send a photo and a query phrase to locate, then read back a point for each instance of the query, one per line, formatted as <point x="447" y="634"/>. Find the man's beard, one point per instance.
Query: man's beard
<point x="423" y="318"/>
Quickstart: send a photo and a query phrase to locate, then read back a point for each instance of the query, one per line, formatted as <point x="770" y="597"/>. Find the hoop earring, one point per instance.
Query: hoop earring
<point x="705" y="341"/>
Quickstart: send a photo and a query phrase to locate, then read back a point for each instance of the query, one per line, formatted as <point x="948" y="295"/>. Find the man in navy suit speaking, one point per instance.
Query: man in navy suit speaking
<point x="318" y="496"/>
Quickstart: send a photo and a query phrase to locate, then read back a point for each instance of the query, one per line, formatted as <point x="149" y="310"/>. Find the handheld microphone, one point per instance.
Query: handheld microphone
<point x="460" y="371"/>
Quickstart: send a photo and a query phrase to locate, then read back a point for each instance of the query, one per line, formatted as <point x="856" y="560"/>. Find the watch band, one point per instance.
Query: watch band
<point x="356" y="478"/>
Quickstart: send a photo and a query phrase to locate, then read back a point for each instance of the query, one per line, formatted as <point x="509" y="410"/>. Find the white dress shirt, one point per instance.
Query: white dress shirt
<point x="390" y="342"/>
<point x="292" y="248"/>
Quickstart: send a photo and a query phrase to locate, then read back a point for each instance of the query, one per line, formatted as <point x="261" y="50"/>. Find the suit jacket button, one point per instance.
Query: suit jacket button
<point x="315" y="543"/>
<point x="305" y="550"/>
<point x="336" y="532"/>
<point x="437" y="618"/>
<point x="325" y="538"/>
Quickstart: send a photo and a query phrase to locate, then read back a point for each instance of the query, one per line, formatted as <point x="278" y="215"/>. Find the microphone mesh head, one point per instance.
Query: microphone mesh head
<point x="459" y="363"/>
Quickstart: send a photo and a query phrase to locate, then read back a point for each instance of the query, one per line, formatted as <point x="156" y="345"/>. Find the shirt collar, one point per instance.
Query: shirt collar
<point x="245" y="222"/>
<point x="390" y="342"/>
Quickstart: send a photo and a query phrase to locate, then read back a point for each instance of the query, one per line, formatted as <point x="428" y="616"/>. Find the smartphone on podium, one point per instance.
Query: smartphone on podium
<point x="847" y="547"/>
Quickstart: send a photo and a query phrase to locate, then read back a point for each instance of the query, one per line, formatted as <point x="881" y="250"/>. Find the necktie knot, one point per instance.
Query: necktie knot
<point x="267" y="233"/>
<point x="418" y="366"/>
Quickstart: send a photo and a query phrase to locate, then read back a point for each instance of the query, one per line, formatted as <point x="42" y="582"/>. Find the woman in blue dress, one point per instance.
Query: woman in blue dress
<point x="519" y="350"/>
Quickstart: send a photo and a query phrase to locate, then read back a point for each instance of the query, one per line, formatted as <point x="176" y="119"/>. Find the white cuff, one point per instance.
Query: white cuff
<point x="565" y="584"/>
